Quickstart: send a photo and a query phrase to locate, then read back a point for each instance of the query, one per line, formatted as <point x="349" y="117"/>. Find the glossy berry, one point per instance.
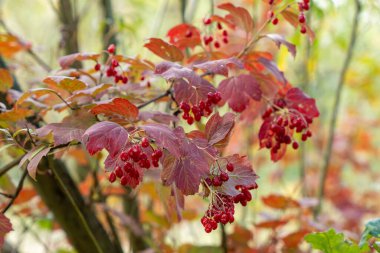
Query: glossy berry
<point x="301" y="18"/>
<point x="230" y="167"/>
<point x="144" y="142"/>
<point x="207" y="21"/>
<point x="112" y="177"/>
<point x="111" y="49"/>
<point x="275" y="21"/>
<point x="97" y="66"/>
<point x="303" y="30"/>
<point x="189" y="34"/>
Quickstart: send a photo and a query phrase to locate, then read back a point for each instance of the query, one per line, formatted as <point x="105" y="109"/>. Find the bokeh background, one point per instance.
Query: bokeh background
<point x="353" y="181"/>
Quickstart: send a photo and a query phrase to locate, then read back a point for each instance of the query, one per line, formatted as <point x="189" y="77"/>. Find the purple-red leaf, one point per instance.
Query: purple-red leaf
<point x="297" y="99"/>
<point x="164" y="137"/>
<point x="218" y="128"/>
<point x="272" y="67"/>
<point x="157" y="116"/>
<point x="108" y="135"/>
<point x="5" y="227"/>
<point x="67" y="60"/>
<point x="34" y="157"/>
<point x="280" y="40"/>
<point x="243" y="174"/>
<point x="220" y="66"/>
<point x="238" y="91"/>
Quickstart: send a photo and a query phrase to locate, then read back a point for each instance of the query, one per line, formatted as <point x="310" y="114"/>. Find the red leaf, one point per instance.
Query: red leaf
<point x="273" y="224"/>
<point x="188" y="86"/>
<point x="238" y="91"/>
<point x="164" y="50"/>
<point x="218" y="128"/>
<point x="297" y="99"/>
<point x="292" y="240"/>
<point x="220" y="66"/>
<point x="280" y="202"/>
<point x="240" y="16"/>
<point x="67" y="60"/>
<point x="5" y="227"/>
<point x="118" y="110"/>
<point x="108" y="135"/>
<point x="280" y="40"/>
<point x="187" y="170"/>
<point x="34" y="157"/>
<point x="157" y="116"/>
<point x="164" y="137"/>
<point x="272" y="67"/>
<point x="184" y="35"/>
<point x="243" y="174"/>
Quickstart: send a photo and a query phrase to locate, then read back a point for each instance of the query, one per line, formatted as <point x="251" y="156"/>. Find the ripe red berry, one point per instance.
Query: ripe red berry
<point x="125" y="80"/>
<point x="97" y="66"/>
<point x="124" y="156"/>
<point x="275" y="21"/>
<point x="225" y="33"/>
<point x="216" y="181"/>
<point x="144" y="142"/>
<point x="230" y="167"/>
<point x="224" y="176"/>
<point x="217" y="44"/>
<point x="295" y="145"/>
<point x="219" y="25"/>
<point x="303" y="30"/>
<point x="301" y="18"/>
<point x="189" y="34"/>
<point x="185" y="107"/>
<point x="118" y="171"/>
<point x="124" y="180"/>
<point x="111" y="49"/>
<point x="112" y="177"/>
<point x="207" y="21"/>
<point x="190" y="120"/>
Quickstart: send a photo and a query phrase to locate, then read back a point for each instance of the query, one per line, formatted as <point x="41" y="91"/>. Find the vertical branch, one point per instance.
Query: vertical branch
<point x="183" y="4"/>
<point x="224" y="243"/>
<point x="69" y="20"/>
<point x="334" y="116"/>
<point x="109" y="35"/>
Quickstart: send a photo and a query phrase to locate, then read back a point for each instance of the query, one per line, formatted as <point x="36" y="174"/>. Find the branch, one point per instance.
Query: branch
<point x="9" y="166"/>
<point x="18" y="190"/>
<point x="334" y="116"/>
<point x="224" y="244"/>
<point x="109" y="36"/>
<point x="167" y="93"/>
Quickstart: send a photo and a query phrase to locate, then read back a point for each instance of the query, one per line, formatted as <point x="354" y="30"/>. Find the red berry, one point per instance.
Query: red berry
<point x="97" y="67"/>
<point x="303" y="30"/>
<point x="111" y="49"/>
<point x="190" y="120"/>
<point x="118" y="171"/>
<point x="217" y="44"/>
<point x="295" y="145"/>
<point x="125" y="80"/>
<point x="301" y="18"/>
<point x="144" y="142"/>
<point x="114" y="63"/>
<point x="219" y="25"/>
<point x="124" y="156"/>
<point x="225" y="33"/>
<point x="207" y="21"/>
<point x="127" y="167"/>
<point x="224" y="176"/>
<point x="112" y="177"/>
<point x="216" y="181"/>
<point x="275" y="21"/>
<point x="185" y="106"/>
<point x="230" y="167"/>
<point x="189" y="34"/>
<point x="124" y="180"/>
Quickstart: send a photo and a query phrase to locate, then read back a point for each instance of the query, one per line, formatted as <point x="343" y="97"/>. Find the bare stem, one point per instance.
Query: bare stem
<point x="334" y="116"/>
<point x="9" y="166"/>
<point x="18" y="190"/>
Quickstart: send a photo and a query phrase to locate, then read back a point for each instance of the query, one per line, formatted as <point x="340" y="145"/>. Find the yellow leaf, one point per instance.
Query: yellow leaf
<point x="6" y="80"/>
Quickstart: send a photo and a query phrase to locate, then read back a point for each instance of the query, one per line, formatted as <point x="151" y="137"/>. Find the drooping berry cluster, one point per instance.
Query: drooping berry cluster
<point x="136" y="158"/>
<point x="280" y="124"/>
<point x="303" y="6"/>
<point x="112" y="68"/>
<point x="222" y="206"/>
<point x="204" y="108"/>
<point x="221" y="210"/>
<point x="220" y="33"/>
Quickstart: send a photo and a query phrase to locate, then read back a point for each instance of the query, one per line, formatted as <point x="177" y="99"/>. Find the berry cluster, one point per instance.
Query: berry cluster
<point x="280" y="123"/>
<point x="134" y="159"/>
<point x="112" y="68"/>
<point x="303" y="6"/>
<point x="207" y="40"/>
<point x="204" y="108"/>
<point x="221" y="210"/>
<point x="222" y="206"/>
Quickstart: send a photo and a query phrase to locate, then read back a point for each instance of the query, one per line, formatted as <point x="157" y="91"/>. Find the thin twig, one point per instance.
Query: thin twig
<point x="9" y="166"/>
<point x="167" y="93"/>
<point x="18" y="190"/>
<point x="334" y="116"/>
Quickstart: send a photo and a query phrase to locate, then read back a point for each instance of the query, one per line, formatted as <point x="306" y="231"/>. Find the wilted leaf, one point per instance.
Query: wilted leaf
<point x="5" y="227"/>
<point x="6" y="80"/>
<point x="331" y="242"/>
<point x="218" y="128"/>
<point x="279" y="201"/>
<point x="69" y="84"/>
<point x="118" y="110"/>
<point x="164" y="50"/>
<point x="184" y="35"/>
<point x="34" y="157"/>
<point x="280" y="40"/>
<point x="220" y="67"/>
<point x="238" y="91"/>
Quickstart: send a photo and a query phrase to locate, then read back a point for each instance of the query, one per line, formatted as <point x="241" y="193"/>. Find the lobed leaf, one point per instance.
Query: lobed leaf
<point x="69" y="84"/>
<point x="118" y="110"/>
<point x="164" y="50"/>
<point x="184" y="35"/>
<point x="218" y="128"/>
<point x="240" y="17"/>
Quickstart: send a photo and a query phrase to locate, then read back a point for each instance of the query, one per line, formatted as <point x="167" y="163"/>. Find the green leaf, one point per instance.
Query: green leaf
<point x="372" y="229"/>
<point x="332" y="242"/>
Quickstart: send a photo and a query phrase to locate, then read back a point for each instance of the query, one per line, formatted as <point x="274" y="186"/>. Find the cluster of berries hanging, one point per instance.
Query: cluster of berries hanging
<point x="204" y="108"/>
<point x="283" y="118"/>
<point x="223" y="34"/>
<point x="139" y="156"/>
<point x="303" y="6"/>
<point x="112" y="68"/>
<point x="222" y="206"/>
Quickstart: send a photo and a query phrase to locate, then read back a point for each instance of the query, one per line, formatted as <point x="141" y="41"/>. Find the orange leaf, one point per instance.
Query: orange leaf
<point x="240" y="16"/>
<point x="9" y="45"/>
<point x="6" y="80"/>
<point x="272" y="224"/>
<point x="118" y="110"/>
<point x="279" y="202"/>
<point x="184" y="35"/>
<point x="164" y="49"/>
<point x="70" y="84"/>
<point x="293" y="239"/>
